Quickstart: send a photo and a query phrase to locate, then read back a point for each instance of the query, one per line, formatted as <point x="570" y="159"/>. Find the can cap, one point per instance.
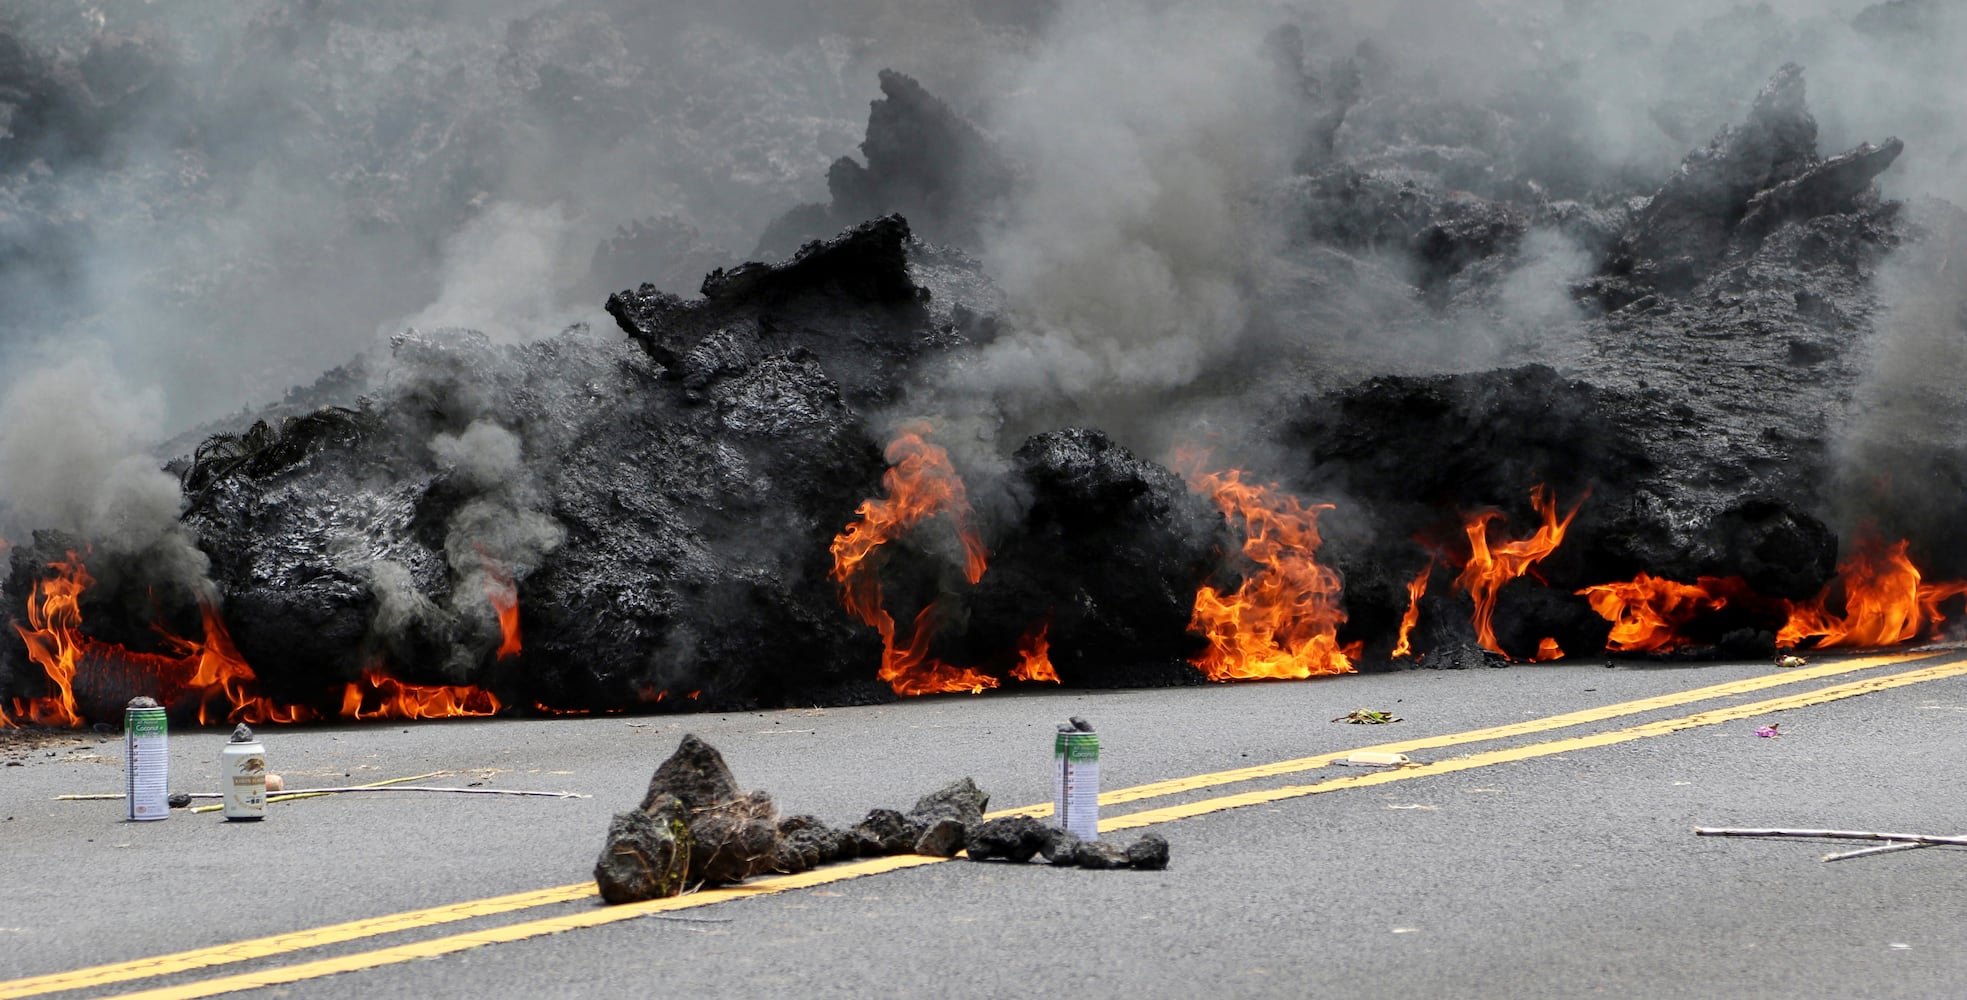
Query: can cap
<point x="243" y="734"/>
<point x="142" y="701"/>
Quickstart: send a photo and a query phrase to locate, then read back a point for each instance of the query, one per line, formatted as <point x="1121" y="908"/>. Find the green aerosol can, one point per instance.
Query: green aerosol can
<point x="1076" y="779"/>
<point x="146" y="760"/>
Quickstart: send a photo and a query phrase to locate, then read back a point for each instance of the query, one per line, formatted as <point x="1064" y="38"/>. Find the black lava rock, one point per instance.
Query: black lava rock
<point x="647" y="854"/>
<point x="1100" y="854"/>
<point x="1150" y="853"/>
<point x="1011" y="838"/>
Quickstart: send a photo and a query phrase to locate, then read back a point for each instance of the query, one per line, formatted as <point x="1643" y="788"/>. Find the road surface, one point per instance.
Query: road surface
<point x="1543" y="848"/>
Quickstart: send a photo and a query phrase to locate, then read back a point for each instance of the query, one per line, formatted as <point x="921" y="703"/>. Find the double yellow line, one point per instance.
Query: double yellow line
<point x="279" y="944"/>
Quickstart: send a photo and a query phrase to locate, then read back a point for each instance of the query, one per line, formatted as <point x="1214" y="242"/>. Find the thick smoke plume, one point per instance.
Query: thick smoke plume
<point x="1142" y="134"/>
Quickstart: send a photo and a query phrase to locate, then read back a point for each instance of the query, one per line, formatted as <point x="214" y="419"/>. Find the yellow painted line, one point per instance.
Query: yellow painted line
<point x="1511" y="754"/>
<point x="1172" y="786"/>
<point x="295" y="941"/>
<point x="529" y="929"/>
<point x="596" y="917"/>
<point x="276" y="944"/>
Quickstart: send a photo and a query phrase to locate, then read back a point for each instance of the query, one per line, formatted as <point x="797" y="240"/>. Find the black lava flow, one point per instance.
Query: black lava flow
<point x="667" y="523"/>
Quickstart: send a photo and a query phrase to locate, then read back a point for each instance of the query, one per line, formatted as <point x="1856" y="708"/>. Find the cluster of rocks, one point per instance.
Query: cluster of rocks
<point x="696" y="825"/>
<point x="1021" y="838"/>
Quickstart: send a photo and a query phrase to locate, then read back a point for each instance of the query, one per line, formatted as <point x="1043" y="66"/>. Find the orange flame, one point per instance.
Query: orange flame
<point x="55" y="641"/>
<point x="1035" y="657"/>
<point x="920" y="483"/>
<point x="1647" y="613"/>
<point x="1284" y="619"/>
<point x="220" y="673"/>
<point x="378" y="696"/>
<point x="1548" y="650"/>
<point x="1488" y="569"/>
<point x="1884" y="602"/>
<point x="212" y="670"/>
<point x="1415" y="589"/>
<point x="503" y="593"/>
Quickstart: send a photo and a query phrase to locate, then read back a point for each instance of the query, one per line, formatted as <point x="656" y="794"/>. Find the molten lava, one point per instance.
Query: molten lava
<point x="1490" y="567"/>
<point x="920" y="483"/>
<point x="1283" y="621"/>
<point x="1035" y="657"/>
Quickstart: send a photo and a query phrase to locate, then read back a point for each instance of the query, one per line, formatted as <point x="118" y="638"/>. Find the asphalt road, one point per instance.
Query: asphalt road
<point x="1556" y="860"/>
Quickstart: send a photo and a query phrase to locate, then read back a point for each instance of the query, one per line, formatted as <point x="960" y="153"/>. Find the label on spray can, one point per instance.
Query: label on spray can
<point x="1076" y="784"/>
<point x="146" y="760"/>
<point x="245" y="776"/>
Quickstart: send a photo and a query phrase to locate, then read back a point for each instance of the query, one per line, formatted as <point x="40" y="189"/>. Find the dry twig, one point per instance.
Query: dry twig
<point x="1916" y="839"/>
<point x="1875" y="849"/>
<point x="307" y="792"/>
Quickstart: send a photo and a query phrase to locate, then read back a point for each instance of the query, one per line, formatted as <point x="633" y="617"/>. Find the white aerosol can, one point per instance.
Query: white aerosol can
<point x="244" y="763"/>
<point x="146" y="760"/>
<point x="1076" y="780"/>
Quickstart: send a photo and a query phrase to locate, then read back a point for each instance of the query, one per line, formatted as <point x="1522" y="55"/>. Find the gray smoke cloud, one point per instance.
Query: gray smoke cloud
<point x="72" y="441"/>
<point x="235" y="197"/>
<point x="73" y="444"/>
<point x="1901" y="452"/>
<point x="1153" y="256"/>
<point x="1142" y="133"/>
<point x="228" y="198"/>
<point x="505" y="529"/>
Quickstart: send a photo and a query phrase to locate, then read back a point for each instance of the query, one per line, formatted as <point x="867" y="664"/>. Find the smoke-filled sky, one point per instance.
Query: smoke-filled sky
<point x="203" y="203"/>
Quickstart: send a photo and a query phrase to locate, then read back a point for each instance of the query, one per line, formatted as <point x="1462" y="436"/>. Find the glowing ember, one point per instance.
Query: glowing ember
<point x="377" y="696"/>
<point x="1489" y="568"/>
<point x="1884" y="602"/>
<point x="920" y="483"/>
<point x="1035" y="657"/>
<point x="1284" y="619"/>
<point x="1415" y="589"/>
<point x="503" y="594"/>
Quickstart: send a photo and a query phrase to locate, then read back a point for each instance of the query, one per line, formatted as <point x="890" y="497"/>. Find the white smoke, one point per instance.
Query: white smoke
<point x="502" y="274"/>
<point x="73" y="444"/>
<point x="1141" y="133"/>
<point x="484" y="454"/>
